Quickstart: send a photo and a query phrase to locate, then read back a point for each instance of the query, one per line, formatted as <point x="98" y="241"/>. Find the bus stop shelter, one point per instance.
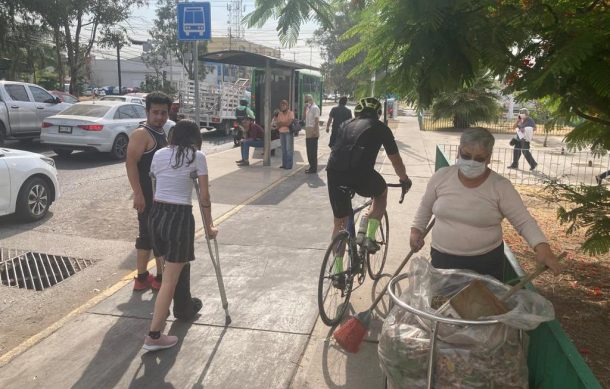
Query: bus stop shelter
<point x="269" y="64"/>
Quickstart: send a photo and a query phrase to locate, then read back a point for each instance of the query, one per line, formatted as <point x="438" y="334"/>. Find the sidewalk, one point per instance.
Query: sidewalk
<point x="274" y="227"/>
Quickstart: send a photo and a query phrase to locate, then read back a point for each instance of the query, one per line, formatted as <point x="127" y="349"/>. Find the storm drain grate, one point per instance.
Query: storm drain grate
<point x="37" y="271"/>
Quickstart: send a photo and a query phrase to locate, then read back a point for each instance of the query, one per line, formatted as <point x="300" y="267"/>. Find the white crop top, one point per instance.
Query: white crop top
<point x="175" y="185"/>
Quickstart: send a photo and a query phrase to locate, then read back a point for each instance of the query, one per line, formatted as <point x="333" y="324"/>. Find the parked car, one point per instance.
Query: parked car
<point x="100" y="125"/>
<point x="127" y="99"/>
<point x="29" y="184"/>
<point x="23" y="107"/>
<point x="65" y="97"/>
<point x="110" y="90"/>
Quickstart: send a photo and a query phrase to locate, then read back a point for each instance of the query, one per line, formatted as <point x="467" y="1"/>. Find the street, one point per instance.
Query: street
<point x="93" y="214"/>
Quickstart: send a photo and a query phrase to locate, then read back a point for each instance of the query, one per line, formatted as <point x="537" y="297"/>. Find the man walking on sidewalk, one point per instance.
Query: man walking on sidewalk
<point x="337" y="116"/>
<point x="312" y="133"/>
<point x="525" y="133"/>
<point x="143" y="143"/>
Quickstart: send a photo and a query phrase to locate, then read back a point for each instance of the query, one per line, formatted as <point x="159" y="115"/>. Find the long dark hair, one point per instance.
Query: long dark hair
<point x="187" y="139"/>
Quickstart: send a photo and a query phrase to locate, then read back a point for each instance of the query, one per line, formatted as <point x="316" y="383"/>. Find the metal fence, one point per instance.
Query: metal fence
<point x="500" y="125"/>
<point x="566" y="167"/>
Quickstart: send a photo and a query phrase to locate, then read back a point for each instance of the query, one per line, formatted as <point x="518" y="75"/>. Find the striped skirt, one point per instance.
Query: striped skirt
<point x="172" y="231"/>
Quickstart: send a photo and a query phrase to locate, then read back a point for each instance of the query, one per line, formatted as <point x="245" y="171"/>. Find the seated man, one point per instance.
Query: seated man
<point x="254" y="137"/>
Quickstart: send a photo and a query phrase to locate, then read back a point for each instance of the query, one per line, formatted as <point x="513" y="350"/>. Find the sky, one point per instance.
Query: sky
<point x="141" y="21"/>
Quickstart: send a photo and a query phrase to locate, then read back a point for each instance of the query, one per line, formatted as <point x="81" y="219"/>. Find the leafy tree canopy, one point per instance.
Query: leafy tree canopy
<point x="78" y="23"/>
<point x="330" y="39"/>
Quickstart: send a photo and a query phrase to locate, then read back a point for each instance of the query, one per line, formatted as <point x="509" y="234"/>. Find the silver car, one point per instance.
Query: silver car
<point x="23" y="107"/>
<point x="103" y="126"/>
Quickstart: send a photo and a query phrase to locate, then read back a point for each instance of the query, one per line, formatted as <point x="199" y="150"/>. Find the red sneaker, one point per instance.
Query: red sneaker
<point x="150" y="282"/>
<point x="154" y="284"/>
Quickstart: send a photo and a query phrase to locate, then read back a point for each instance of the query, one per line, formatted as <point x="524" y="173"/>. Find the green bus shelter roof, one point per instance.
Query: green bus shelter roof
<point x="245" y="58"/>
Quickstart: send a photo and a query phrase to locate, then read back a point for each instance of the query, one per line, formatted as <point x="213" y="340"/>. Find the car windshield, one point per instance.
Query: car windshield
<point x="96" y="111"/>
<point x="112" y="98"/>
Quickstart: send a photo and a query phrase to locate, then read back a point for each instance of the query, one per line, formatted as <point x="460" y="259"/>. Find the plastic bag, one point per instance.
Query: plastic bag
<point x="467" y="356"/>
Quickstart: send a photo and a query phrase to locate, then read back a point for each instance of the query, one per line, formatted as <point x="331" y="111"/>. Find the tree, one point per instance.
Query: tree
<point x="165" y="43"/>
<point x="476" y="101"/>
<point x="336" y="74"/>
<point x="290" y="14"/>
<point x="76" y="24"/>
<point x="24" y="43"/>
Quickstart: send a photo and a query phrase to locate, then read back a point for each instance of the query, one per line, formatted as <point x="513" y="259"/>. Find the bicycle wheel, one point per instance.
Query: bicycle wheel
<point x="334" y="288"/>
<point x="376" y="262"/>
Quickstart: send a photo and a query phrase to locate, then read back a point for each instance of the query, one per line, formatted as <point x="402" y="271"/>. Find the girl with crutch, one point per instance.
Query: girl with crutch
<point x="171" y="221"/>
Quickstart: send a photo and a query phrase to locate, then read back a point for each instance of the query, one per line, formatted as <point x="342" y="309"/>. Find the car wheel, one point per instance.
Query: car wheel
<point x="34" y="199"/>
<point x="119" y="147"/>
<point x="63" y="153"/>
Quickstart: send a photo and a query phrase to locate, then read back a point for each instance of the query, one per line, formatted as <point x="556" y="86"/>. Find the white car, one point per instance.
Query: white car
<point x="29" y="184"/>
<point x="102" y="126"/>
<point x="126" y="99"/>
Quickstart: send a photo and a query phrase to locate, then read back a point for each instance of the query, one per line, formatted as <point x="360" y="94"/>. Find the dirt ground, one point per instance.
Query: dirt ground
<point x="581" y="294"/>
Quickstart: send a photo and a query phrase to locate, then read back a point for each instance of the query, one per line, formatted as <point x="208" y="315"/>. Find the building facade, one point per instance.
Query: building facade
<point x="104" y="71"/>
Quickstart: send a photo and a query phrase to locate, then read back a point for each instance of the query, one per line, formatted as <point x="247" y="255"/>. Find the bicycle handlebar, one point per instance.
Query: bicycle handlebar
<point x="406" y="185"/>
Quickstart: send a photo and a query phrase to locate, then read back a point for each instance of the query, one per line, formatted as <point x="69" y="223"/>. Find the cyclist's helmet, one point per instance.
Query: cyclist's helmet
<point x="368" y="104"/>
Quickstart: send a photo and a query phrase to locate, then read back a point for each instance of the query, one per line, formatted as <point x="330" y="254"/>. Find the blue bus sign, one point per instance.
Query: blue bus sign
<point x="194" y="21"/>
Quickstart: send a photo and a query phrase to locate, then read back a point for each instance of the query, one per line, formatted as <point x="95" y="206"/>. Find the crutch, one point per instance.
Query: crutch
<point x="213" y="255"/>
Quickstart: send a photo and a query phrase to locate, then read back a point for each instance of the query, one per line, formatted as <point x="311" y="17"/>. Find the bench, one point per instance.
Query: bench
<point x="275" y="144"/>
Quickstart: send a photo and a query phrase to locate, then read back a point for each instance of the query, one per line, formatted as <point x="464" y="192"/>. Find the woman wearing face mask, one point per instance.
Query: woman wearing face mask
<point x="469" y="202"/>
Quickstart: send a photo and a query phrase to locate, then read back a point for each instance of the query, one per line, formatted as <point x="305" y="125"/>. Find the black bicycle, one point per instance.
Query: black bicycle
<point x="336" y="281"/>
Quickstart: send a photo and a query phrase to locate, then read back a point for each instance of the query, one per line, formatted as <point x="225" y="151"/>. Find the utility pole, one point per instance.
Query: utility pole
<point x="118" y="61"/>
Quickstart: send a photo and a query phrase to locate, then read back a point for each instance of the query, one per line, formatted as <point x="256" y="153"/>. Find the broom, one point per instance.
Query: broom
<point x="351" y="334"/>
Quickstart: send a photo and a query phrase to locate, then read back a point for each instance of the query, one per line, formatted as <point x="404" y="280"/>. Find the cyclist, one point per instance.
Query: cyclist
<point x="351" y="168"/>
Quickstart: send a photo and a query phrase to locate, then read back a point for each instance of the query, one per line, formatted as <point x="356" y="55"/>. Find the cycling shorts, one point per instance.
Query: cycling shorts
<point x="366" y="184"/>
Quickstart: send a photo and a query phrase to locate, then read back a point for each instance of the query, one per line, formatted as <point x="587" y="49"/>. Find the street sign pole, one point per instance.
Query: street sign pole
<point x="196" y="76"/>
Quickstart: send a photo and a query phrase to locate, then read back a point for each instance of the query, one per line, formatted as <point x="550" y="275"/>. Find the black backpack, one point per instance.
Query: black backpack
<point x="346" y="153"/>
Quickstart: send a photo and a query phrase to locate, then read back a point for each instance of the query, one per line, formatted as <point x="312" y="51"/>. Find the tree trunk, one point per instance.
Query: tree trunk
<point x="60" y="64"/>
<point x="460" y="121"/>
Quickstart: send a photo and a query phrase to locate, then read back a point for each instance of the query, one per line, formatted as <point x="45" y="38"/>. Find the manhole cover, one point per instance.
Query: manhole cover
<point x="37" y="271"/>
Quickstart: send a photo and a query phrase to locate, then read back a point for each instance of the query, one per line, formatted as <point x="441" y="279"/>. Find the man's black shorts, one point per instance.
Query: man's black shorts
<point x="143" y="240"/>
<point x="366" y="184"/>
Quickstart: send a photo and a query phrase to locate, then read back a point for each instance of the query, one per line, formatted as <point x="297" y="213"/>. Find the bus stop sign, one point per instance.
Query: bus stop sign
<point x="194" y="21"/>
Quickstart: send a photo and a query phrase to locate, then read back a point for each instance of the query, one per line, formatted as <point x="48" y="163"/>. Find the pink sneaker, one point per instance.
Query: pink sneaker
<point x="164" y="341"/>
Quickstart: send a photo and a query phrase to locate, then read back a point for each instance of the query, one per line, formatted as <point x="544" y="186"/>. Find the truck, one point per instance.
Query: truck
<point x="217" y="103"/>
<point x="23" y="107"/>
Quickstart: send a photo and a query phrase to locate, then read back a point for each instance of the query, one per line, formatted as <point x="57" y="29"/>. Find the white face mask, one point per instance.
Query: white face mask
<point x="471" y="168"/>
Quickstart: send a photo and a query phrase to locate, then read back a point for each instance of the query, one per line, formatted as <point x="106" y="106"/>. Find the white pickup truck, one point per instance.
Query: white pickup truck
<point x="23" y="107"/>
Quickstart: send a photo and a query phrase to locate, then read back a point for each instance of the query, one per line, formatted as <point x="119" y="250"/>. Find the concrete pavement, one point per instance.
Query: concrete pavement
<point x="274" y="227"/>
